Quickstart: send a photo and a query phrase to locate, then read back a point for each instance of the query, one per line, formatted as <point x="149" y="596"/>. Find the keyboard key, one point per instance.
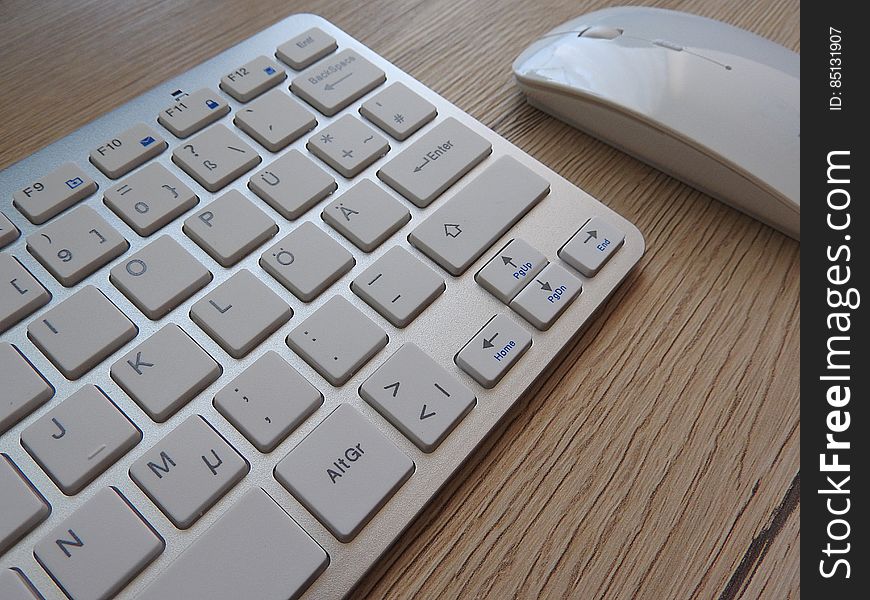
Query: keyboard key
<point x="81" y="331"/>
<point x="159" y="277"/>
<point x="191" y="112"/>
<point x="592" y="246"/>
<point x="252" y="79"/>
<point x="494" y="350"/>
<point x="98" y="549"/>
<point x="189" y="470"/>
<point x="8" y="231"/>
<point x="14" y="585"/>
<point x="511" y="269"/>
<point x="435" y="162"/>
<point x="150" y="199"/>
<point x="22" y="387"/>
<point x="398" y="111"/>
<point x="254" y="545"/>
<point x="336" y="82"/>
<point x="268" y="401"/>
<point x="344" y="471"/>
<point x="20" y="292"/>
<point x="464" y="227"/>
<point x="216" y="157"/>
<point x="292" y="184"/>
<point x="54" y="193"/>
<point x="240" y="313"/>
<point x="23" y="506"/>
<point x="80" y="438"/>
<point x="544" y="299"/>
<point x="165" y="372"/>
<point x="275" y="120"/>
<point x="366" y="215"/>
<point x="337" y="340"/>
<point x="76" y="245"/>
<point x="305" y="48"/>
<point x="229" y="228"/>
<point x="120" y="155"/>
<point x="307" y="261"/>
<point x="398" y="286"/>
<point x="418" y="396"/>
<point x="348" y="145"/>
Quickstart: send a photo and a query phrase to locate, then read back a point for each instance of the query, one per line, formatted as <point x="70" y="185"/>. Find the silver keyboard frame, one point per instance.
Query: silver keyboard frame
<point x="441" y="330"/>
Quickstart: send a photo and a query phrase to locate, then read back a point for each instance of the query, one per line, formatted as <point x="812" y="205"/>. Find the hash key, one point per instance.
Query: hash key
<point x="76" y="245"/>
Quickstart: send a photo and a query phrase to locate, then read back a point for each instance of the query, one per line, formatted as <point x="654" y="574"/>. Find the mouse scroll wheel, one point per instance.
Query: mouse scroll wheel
<point x="602" y="32"/>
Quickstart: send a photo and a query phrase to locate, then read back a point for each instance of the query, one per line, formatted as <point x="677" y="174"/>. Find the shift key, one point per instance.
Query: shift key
<point x="464" y="227"/>
<point x="435" y="162"/>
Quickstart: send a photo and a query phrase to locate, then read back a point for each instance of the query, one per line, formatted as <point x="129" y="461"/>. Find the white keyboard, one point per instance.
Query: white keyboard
<point x="254" y="319"/>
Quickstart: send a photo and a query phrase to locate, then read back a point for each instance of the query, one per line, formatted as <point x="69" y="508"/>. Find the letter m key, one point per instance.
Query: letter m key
<point x="162" y="469"/>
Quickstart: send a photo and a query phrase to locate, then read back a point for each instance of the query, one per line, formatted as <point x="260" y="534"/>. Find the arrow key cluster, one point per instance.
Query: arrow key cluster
<point x="418" y="396"/>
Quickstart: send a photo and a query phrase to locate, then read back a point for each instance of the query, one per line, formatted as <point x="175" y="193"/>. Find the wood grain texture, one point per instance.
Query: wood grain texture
<point x="658" y="458"/>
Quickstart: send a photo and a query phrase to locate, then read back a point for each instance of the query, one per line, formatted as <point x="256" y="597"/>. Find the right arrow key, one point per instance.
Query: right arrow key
<point x="418" y="396"/>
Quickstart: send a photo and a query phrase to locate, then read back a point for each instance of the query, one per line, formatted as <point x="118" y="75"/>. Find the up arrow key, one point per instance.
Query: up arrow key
<point x="425" y="415"/>
<point x="591" y="235"/>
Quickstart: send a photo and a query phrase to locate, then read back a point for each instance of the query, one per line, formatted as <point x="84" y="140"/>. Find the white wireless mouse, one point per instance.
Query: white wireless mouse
<point x="713" y="105"/>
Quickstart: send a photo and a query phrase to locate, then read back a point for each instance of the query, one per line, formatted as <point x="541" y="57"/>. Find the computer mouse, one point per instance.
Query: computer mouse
<point x="708" y="103"/>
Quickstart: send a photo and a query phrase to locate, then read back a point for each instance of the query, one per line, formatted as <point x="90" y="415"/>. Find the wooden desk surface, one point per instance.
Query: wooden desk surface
<point x="660" y="458"/>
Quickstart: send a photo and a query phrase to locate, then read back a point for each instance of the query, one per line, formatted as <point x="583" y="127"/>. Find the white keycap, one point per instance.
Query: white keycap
<point x="20" y="292"/>
<point x="81" y="331"/>
<point x="240" y="313"/>
<point x="22" y="387"/>
<point x="128" y="150"/>
<point x="216" y="157"/>
<point x="165" y="372"/>
<point x="292" y="184"/>
<point x="494" y="350"/>
<point x="189" y="470"/>
<point x="23" y="506"/>
<point x="337" y="340"/>
<point x="252" y="79"/>
<point x="465" y="226"/>
<point x="150" y="198"/>
<point x="305" y="48"/>
<point x="54" y="193"/>
<point x="398" y="111"/>
<point x="434" y="162"/>
<point x="334" y="83"/>
<point x="348" y="145"/>
<point x="8" y="232"/>
<point x="592" y="246"/>
<point x="275" y="120"/>
<point x="96" y="551"/>
<point x="159" y="277"/>
<point x="344" y="471"/>
<point x="229" y="228"/>
<point x="544" y="299"/>
<point x="268" y="401"/>
<point x="307" y="261"/>
<point x="14" y="585"/>
<point x="80" y="438"/>
<point x="398" y="286"/>
<point x="191" y="112"/>
<point x="76" y="245"/>
<point x="511" y="269"/>
<point x="254" y="550"/>
<point x="418" y="396"/>
<point x="366" y="215"/>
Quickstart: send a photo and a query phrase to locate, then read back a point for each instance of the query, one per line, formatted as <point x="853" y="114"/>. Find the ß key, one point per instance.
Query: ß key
<point x="215" y="157"/>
